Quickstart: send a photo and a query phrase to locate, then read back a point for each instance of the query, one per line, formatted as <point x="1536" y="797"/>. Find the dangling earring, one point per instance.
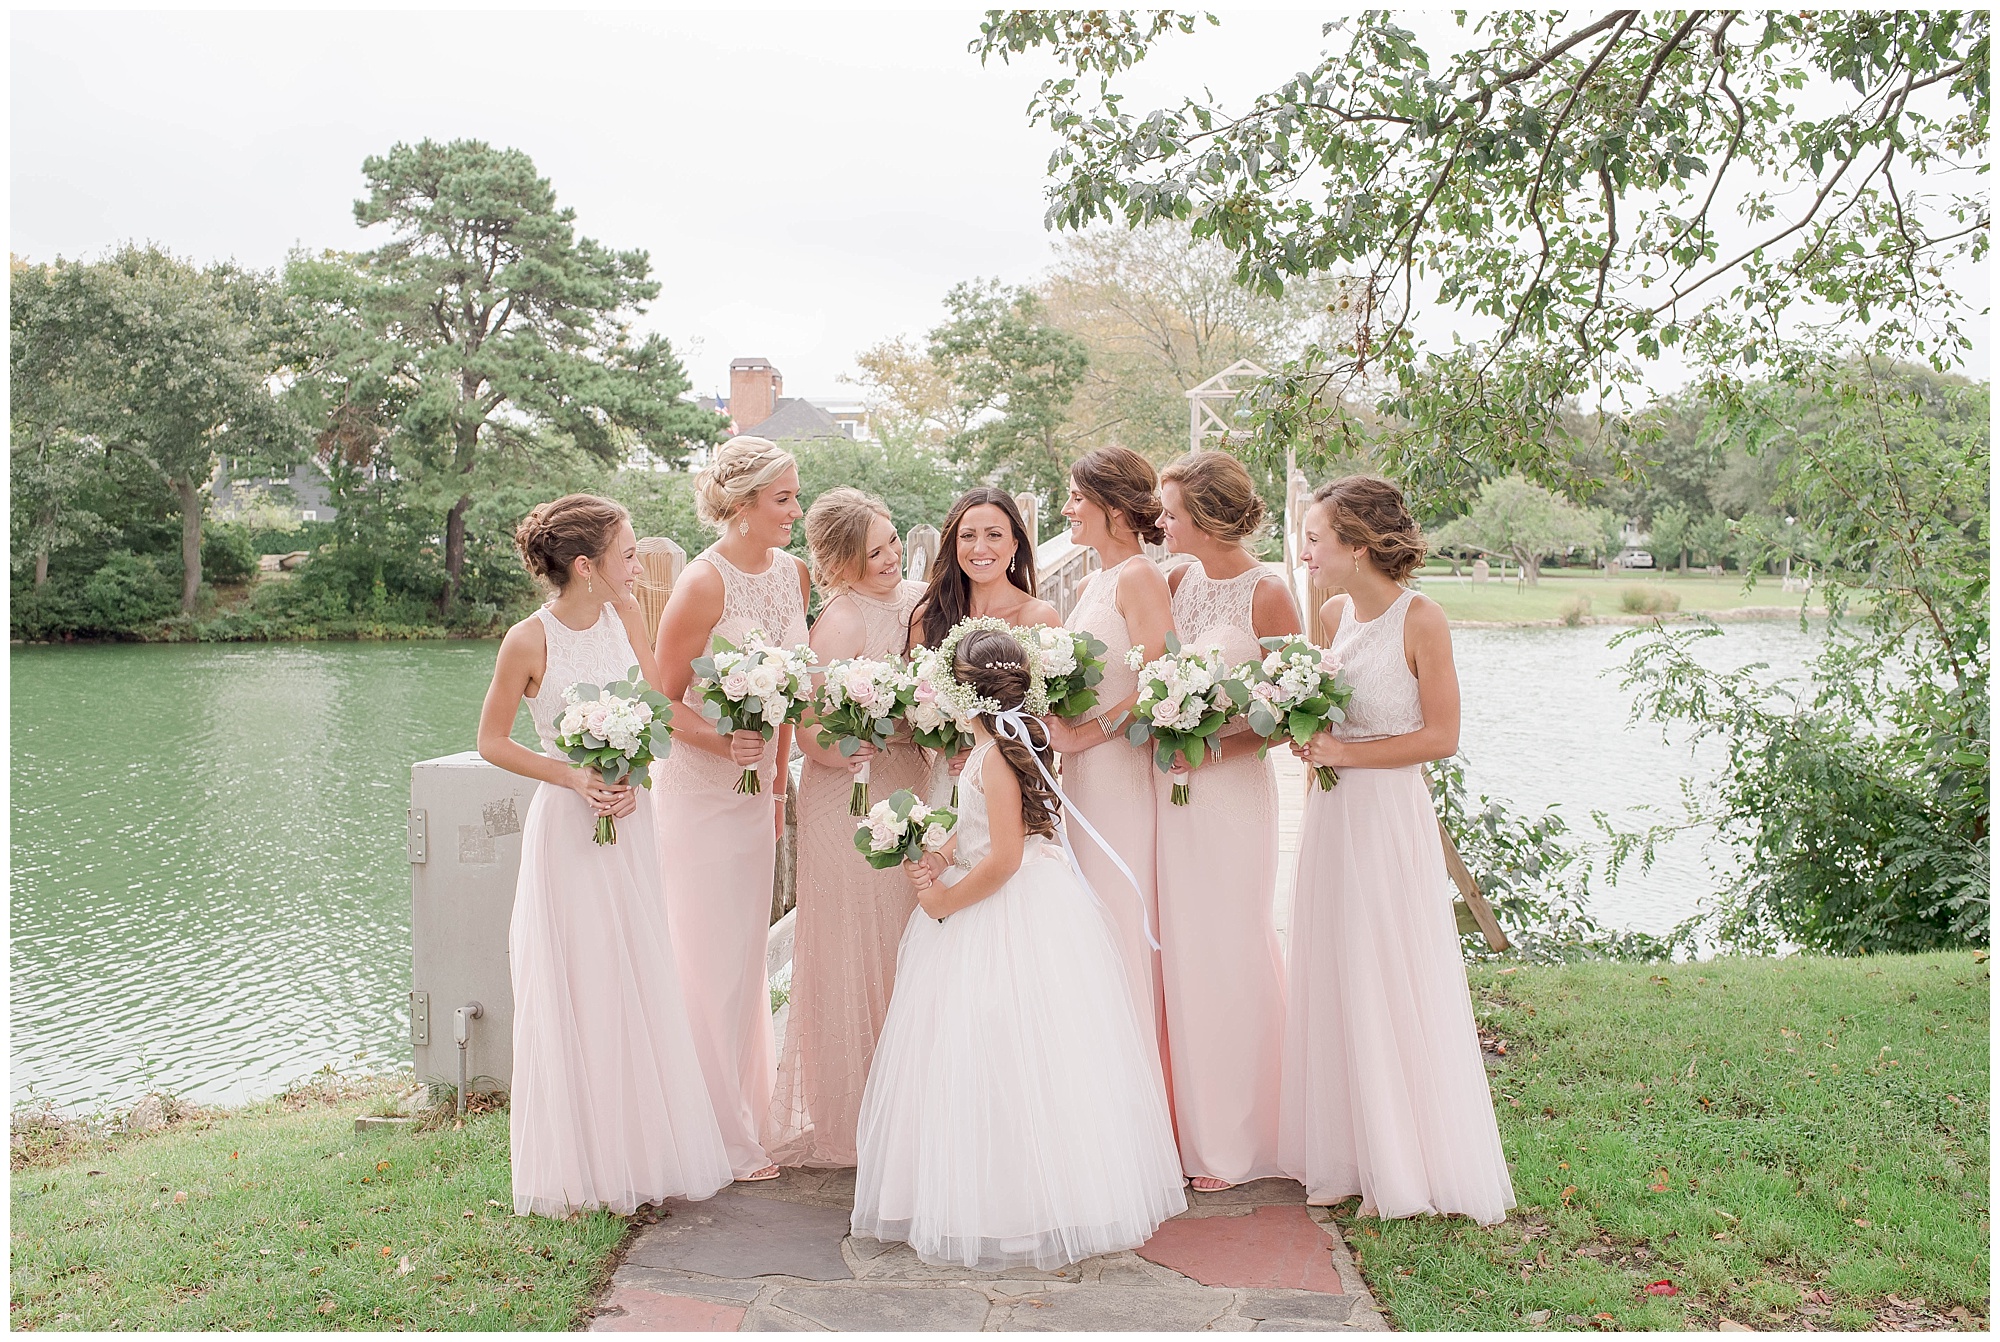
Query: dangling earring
<point x="589" y="587"/>
<point x="743" y="527"/>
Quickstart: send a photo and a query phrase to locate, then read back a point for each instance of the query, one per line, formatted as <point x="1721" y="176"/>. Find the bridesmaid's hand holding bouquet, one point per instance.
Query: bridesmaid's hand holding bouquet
<point x="902" y="829"/>
<point x="1295" y="692"/>
<point x="756" y="688"/>
<point x="1184" y="699"/>
<point x="616" y="729"/>
<point x="1072" y="664"/>
<point x="857" y="706"/>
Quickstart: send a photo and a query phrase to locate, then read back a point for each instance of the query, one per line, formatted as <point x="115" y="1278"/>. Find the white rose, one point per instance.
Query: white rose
<point x="935" y="836"/>
<point x="1166" y="710"/>
<point x="736" y="685"/>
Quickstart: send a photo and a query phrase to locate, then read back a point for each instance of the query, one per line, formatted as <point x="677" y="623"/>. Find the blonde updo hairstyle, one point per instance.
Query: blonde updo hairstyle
<point x="1368" y="511"/>
<point x="1216" y="495"/>
<point x="743" y="466"/>
<point x="556" y="534"/>
<point x="837" y="527"/>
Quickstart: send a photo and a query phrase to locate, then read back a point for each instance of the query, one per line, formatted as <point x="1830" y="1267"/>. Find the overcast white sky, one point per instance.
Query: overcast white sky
<point x="807" y="183"/>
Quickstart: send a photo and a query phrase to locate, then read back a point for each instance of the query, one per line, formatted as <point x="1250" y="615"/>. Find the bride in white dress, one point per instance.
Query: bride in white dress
<point x="1012" y="1114"/>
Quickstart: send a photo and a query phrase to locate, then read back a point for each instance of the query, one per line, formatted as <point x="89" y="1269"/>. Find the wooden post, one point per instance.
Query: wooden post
<point x="663" y="561"/>
<point x="1031" y="515"/>
<point x="920" y="552"/>
<point x="1468" y="890"/>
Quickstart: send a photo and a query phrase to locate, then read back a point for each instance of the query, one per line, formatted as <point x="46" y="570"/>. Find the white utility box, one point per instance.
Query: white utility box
<point x="465" y="855"/>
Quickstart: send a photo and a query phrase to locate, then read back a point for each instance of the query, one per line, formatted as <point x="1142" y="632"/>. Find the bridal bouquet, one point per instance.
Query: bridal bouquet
<point x="1184" y="699"/>
<point x="858" y="705"/>
<point x="616" y="729"/>
<point x="1295" y="692"/>
<point x="755" y="688"/>
<point x="1071" y="662"/>
<point x="902" y="829"/>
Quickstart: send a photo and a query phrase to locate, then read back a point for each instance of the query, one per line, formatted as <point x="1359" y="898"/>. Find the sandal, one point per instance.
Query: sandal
<point x="1196" y="1184"/>
<point x="765" y="1175"/>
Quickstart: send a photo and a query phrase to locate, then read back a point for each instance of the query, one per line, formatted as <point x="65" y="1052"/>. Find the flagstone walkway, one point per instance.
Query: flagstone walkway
<point x="777" y="1257"/>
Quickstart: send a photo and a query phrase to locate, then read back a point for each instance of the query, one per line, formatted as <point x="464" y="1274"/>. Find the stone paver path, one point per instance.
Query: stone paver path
<point x="776" y="1257"/>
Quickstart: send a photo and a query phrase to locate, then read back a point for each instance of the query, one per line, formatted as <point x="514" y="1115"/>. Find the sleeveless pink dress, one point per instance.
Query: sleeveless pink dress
<point x="1112" y="784"/>
<point x="1384" y="1090"/>
<point x="850" y="917"/>
<point x="1221" y="972"/>
<point x="608" y="1106"/>
<point x="718" y="849"/>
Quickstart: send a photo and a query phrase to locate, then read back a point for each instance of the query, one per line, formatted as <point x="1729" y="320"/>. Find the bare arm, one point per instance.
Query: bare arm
<point x="1009" y="838"/>
<point x="685" y="628"/>
<point x="839" y="633"/>
<point x="1427" y="643"/>
<point x="786" y="733"/>
<point x="1147" y="606"/>
<point x="523" y="658"/>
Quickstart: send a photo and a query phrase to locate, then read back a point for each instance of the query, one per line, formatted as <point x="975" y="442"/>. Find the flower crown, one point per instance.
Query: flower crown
<point x="967" y="702"/>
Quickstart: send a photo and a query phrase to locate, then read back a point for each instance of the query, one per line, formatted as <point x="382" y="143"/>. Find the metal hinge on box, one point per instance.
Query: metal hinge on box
<point x="420" y="1019"/>
<point x="419" y="836"/>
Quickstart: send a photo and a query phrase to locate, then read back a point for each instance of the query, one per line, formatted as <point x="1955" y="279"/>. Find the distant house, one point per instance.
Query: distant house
<point x="304" y="490"/>
<point x="757" y="406"/>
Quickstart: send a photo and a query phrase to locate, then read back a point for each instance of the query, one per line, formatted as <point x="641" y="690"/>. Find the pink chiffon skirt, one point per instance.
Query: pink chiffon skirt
<point x="1384" y="1090"/>
<point x="609" y="1108"/>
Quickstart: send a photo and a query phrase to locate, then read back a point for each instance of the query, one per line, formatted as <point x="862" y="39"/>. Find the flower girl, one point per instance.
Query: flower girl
<point x="1012" y="1115"/>
<point x="608" y="1107"/>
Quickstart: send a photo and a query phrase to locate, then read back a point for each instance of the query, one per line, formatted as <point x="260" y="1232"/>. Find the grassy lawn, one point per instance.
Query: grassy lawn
<point x="1796" y="1143"/>
<point x="1496" y="600"/>
<point x="283" y="1217"/>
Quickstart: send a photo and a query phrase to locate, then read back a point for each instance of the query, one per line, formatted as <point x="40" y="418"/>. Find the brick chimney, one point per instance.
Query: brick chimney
<point x="754" y="386"/>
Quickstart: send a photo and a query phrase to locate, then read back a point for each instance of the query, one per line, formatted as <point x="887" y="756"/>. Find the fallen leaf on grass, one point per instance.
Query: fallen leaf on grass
<point x="1731" y="1326"/>
<point x="1863" y="1222"/>
<point x="1538" y="1318"/>
<point x="386" y="1251"/>
<point x="1568" y="1193"/>
<point x="403" y="1268"/>
<point x="1663" y="1288"/>
<point x="325" y="1307"/>
<point x="492" y="1202"/>
<point x="180" y="1197"/>
<point x="381" y="1165"/>
<point x="469" y="1214"/>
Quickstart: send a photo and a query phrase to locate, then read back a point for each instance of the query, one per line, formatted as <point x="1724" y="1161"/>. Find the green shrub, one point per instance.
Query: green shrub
<point x="228" y="554"/>
<point x="127" y="592"/>
<point x="1574" y="610"/>
<point x="1648" y="600"/>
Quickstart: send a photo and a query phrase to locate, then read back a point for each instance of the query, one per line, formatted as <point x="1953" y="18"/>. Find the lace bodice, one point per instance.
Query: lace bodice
<point x="1096" y="612"/>
<point x="975" y="837"/>
<point x="595" y="656"/>
<point x="885" y="623"/>
<point x="769" y="601"/>
<point x="1374" y="663"/>
<point x="1215" y="613"/>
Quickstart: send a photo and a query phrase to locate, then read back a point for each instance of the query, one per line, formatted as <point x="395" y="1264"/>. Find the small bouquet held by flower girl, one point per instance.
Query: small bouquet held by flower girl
<point x="1185" y="697"/>
<point x="1071" y="663"/>
<point x="1295" y="692"/>
<point x="758" y="687"/>
<point x="616" y="729"/>
<point x="858" y="705"/>
<point x="902" y="829"/>
<point x="936" y="721"/>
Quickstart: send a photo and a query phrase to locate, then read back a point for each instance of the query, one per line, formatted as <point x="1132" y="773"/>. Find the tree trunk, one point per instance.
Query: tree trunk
<point x="189" y="493"/>
<point x="41" y="567"/>
<point x="1531" y="570"/>
<point x="454" y="550"/>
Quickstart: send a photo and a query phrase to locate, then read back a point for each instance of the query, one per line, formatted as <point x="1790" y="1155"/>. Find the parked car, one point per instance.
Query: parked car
<point x="1632" y="557"/>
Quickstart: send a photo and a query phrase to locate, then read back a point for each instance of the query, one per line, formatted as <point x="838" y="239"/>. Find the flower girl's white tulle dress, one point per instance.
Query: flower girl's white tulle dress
<point x="609" y="1108"/>
<point x="1013" y="1115"/>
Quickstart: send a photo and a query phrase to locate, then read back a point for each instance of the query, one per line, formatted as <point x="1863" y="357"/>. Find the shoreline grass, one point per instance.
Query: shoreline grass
<point x="1503" y="603"/>
<point x="1796" y="1143"/>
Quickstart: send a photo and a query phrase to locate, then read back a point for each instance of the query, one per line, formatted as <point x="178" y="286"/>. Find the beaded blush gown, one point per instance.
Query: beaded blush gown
<point x="1013" y="1115"/>
<point x="1112" y="784"/>
<point x="718" y="851"/>
<point x="1384" y="1090"/>
<point x="1222" y="975"/>
<point x="608" y="1108"/>
<point x="849" y="919"/>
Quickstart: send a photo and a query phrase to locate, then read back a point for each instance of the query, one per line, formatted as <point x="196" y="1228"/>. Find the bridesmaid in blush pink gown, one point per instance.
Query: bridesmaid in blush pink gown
<point x="718" y="847"/>
<point x="1114" y="508"/>
<point x="1384" y="1091"/>
<point x="1221" y="971"/>
<point x="850" y="916"/>
<point x="608" y="1106"/>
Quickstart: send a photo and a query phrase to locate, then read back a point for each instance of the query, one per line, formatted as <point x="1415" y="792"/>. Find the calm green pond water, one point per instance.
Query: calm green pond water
<point x="210" y="889"/>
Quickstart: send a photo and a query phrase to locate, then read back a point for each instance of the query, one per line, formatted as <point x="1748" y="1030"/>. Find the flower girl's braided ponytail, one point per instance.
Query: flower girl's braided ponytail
<point x="995" y="666"/>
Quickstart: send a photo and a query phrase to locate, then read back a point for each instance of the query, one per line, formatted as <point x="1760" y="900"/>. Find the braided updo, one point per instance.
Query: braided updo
<point x="554" y="535"/>
<point x="995" y="665"/>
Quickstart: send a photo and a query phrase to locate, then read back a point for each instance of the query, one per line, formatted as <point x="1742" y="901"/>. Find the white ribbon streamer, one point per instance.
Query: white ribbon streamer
<point x="1012" y="723"/>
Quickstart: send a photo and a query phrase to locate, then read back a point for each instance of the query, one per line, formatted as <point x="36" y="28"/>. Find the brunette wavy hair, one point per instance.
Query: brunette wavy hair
<point x="949" y="598"/>
<point x="554" y="535"/>
<point x="995" y="665"/>
<point x="1368" y="511"/>
<point x="1124" y="484"/>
